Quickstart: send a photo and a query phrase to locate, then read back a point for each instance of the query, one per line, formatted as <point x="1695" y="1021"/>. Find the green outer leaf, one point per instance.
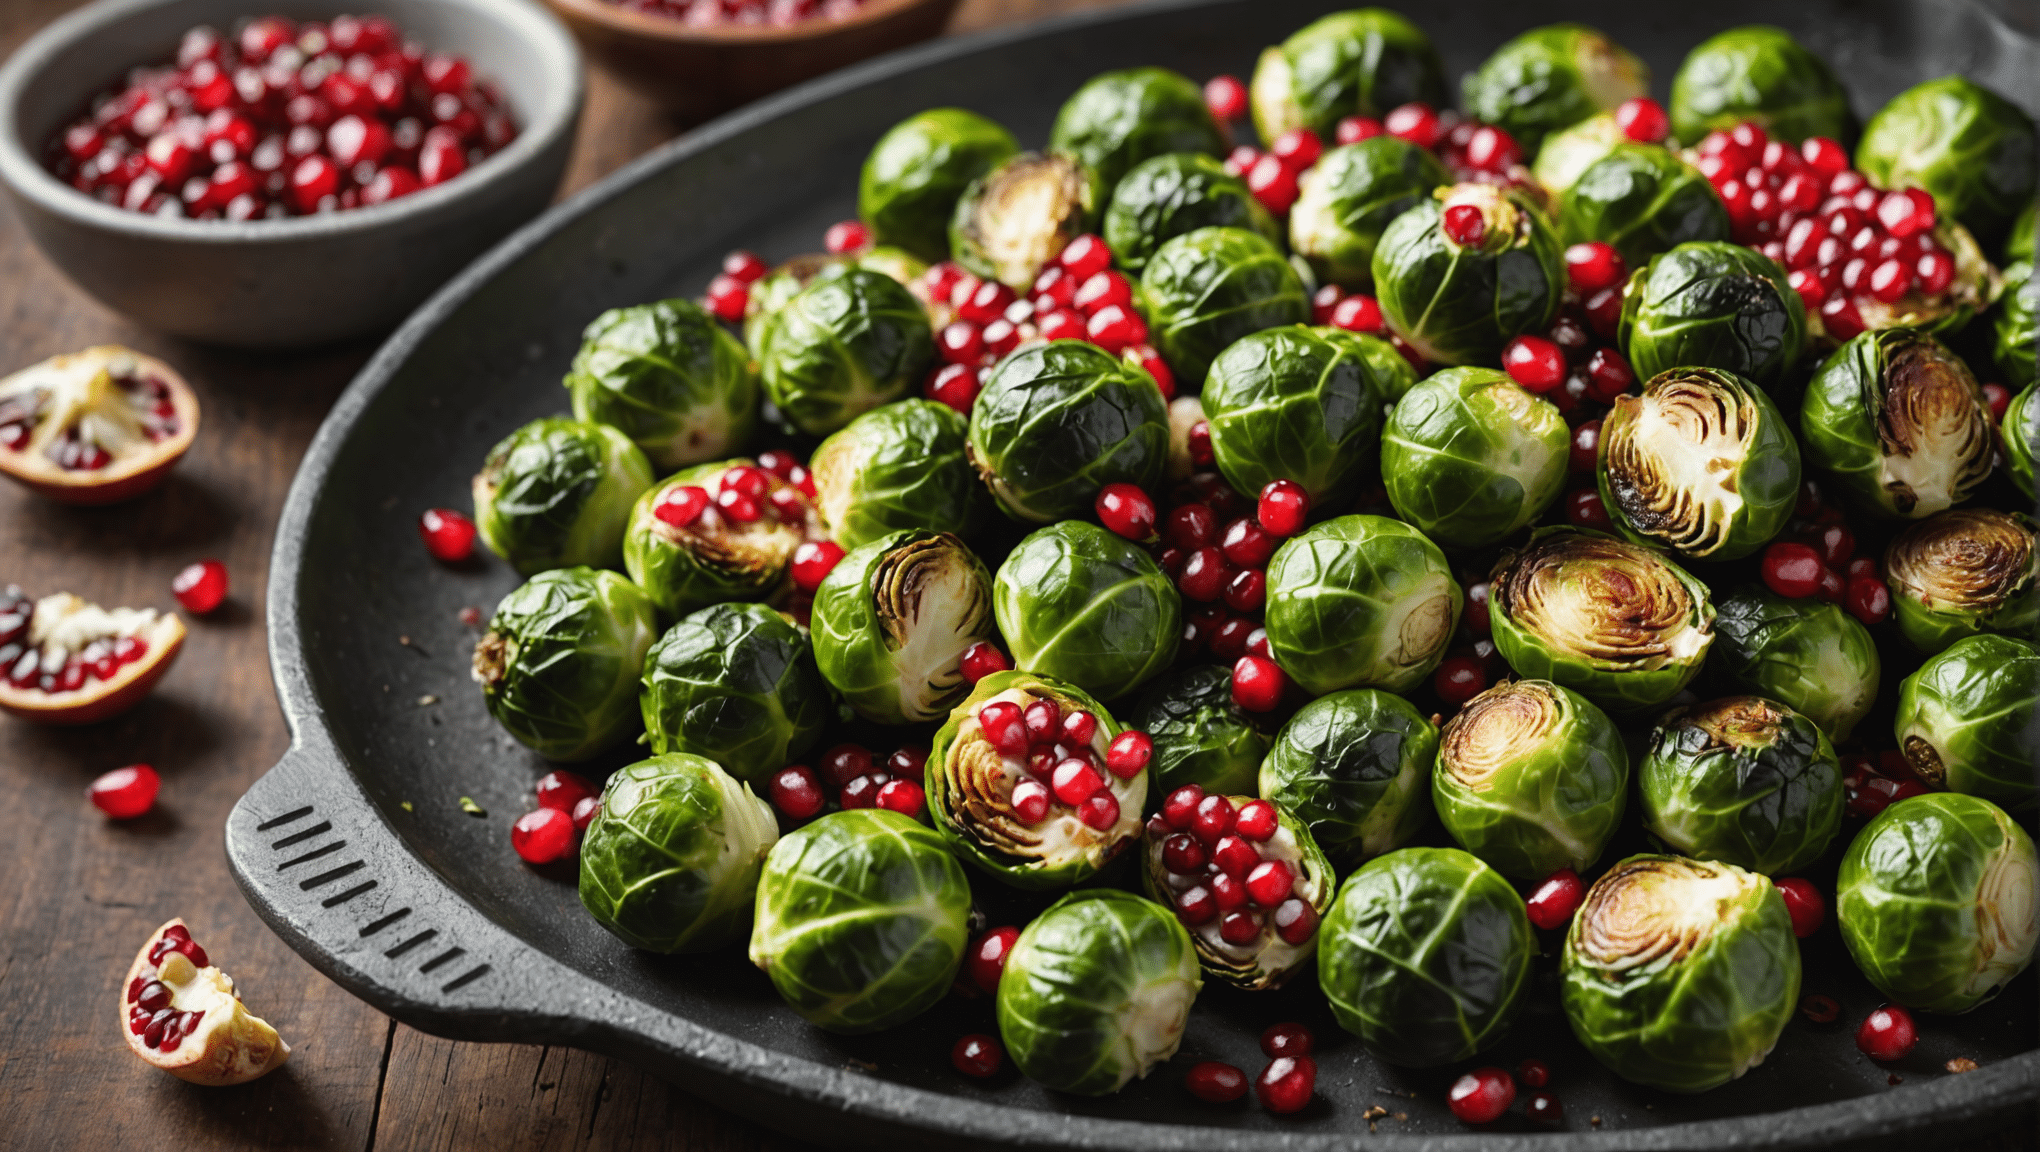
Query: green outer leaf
<point x="1360" y="602"/>
<point x="1928" y="616"/>
<point x="1470" y="458"/>
<point x="1268" y="962"/>
<point x="1118" y="119"/>
<point x="671" y="378"/>
<point x="1201" y="737"/>
<point x="916" y="172"/>
<point x="1571" y="151"/>
<point x="846" y="344"/>
<point x="1361" y="62"/>
<point x="557" y="493"/>
<point x="2017" y="330"/>
<point x="1641" y="200"/>
<point x="1760" y="73"/>
<point x="1843" y="408"/>
<point x="680" y="580"/>
<point x="903" y="465"/>
<point x="855" y="650"/>
<point x="2020" y="245"/>
<point x="1057" y="422"/>
<point x="1809" y="655"/>
<point x="1968" y="718"/>
<point x="1207" y="288"/>
<point x="1463" y="305"/>
<point x="1296" y="403"/>
<point x="1426" y="956"/>
<point x="1165" y="196"/>
<point x="1355" y="768"/>
<point x="1974" y="150"/>
<point x="1349" y="197"/>
<point x="737" y="684"/>
<point x="1770" y="805"/>
<point x="1707" y="304"/>
<point x="1551" y="78"/>
<point x="1083" y="983"/>
<point x="2021" y="428"/>
<point x="1081" y="605"/>
<point x="576" y="638"/>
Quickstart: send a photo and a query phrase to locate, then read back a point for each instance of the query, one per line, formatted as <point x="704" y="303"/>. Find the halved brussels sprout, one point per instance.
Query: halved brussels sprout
<point x="1531" y="778"/>
<point x="1360" y="602"/>
<point x="1758" y="73"/>
<point x="1571" y="151"/>
<point x="671" y="861"/>
<point x="892" y="620"/>
<point x="1205" y="289"/>
<point x="1200" y="736"/>
<point x="1082" y="605"/>
<point x="1707" y="304"/>
<point x="1470" y="457"/>
<point x="1808" y="654"/>
<point x="1301" y="404"/>
<point x="861" y="919"/>
<point x="1461" y="304"/>
<point x="1641" y="200"/>
<point x="1935" y="900"/>
<point x="1966" y="719"/>
<point x="1165" y="196"/>
<point x="1285" y="930"/>
<point x="1680" y="974"/>
<point x="1361" y="62"/>
<point x="557" y="493"/>
<point x="770" y="293"/>
<point x="1118" y="119"/>
<point x="559" y="664"/>
<point x="918" y="170"/>
<point x="2017" y="327"/>
<point x="1976" y="286"/>
<point x="1613" y="621"/>
<point x="1350" y="196"/>
<point x="1014" y="219"/>
<point x="1096" y="991"/>
<point x="669" y="377"/>
<point x="1426" y="956"/>
<point x="2021" y="431"/>
<point x="971" y="786"/>
<point x="1057" y="422"/>
<point x="1743" y="780"/>
<point x="737" y="684"/>
<point x="715" y="557"/>
<point x="1899" y="422"/>
<point x="846" y="344"/>
<point x="899" y="466"/>
<point x="1354" y="767"/>
<point x="1973" y="149"/>
<point x="1551" y="78"/>
<point x="1962" y="572"/>
<point x="1702" y="463"/>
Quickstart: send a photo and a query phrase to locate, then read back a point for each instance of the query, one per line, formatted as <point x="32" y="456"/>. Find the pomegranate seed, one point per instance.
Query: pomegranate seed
<point x="1608" y="375"/>
<point x="1246" y="543"/>
<point x="977" y="1055"/>
<point x="1075" y="782"/>
<point x="1204" y="575"/>
<point x="1821" y="1009"/>
<point x="846" y="236"/>
<point x="1591" y="266"/>
<point x="1491" y="149"/>
<point x="1806" y="282"/>
<point x="1190" y="526"/>
<point x="1127" y="511"/>
<point x="1273" y="183"/>
<point x="955" y="385"/>
<point x="1840" y="318"/>
<point x="1198" y="441"/>
<point x="153" y="996"/>
<point x="1534" y="1073"/>
<point x="1297" y="149"/>
<point x="986" y="302"/>
<point x="1257" y="683"/>
<point x="728" y="298"/>
<point x="904" y="797"/>
<point x="846" y="762"/>
<point x="1552" y="905"/>
<point x="960" y="342"/>
<point x="543" y="835"/>
<point x="1287" y="1084"/>
<point x="1604" y="311"/>
<point x="1868" y="599"/>
<point x="1323" y="301"/>
<point x="1544" y="1110"/>
<point x="1585" y="454"/>
<point x="125" y="793"/>
<point x="1030" y="801"/>
<point x="1357" y="313"/>
<point x="1116" y="327"/>
<point x="448" y="535"/>
<point x="562" y="789"/>
<point x="1270" y="883"/>
<point x="862" y="792"/>
<point x="1100" y="812"/>
<point x="1196" y="906"/>
<point x="1180" y="807"/>
<point x="1413" y="122"/>
<point x="201" y="587"/>
<point x="1887" y="1034"/>
<point x="1826" y="157"/>
<point x="812" y="563"/>
<point x="1236" y="927"/>
<point x="1934" y="271"/>
<point x="1247" y="591"/>
<point x="1043" y="721"/>
<point x="1354" y="129"/>
<point x="1465" y="225"/>
<point x="986" y="961"/>
<point x="1583" y="509"/>
<point x="1482" y="1095"/>
<point x="1102" y="289"/>
<point x="441" y="157"/>
<point x="1062" y="324"/>
<point x="681" y="506"/>
<point x="1890" y="280"/>
<point x="1085" y="257"/>
<point x="1804" y="903"/>
<point x="1792" y="570"/>
<point x="1283" y="508"/>
<point x="1459" y="679"/>
<point x="1642" y="118"/>
<point x="1534" y="362"/>
<point x="1003" y="726"/>
<point x="1215" y="1083"/>
<point x="1226" y="97"/>
<point x="586" y="809"/>
<point x="1183" y="855"/>
<point x="1906" y="212"/>
<point x="981" y="660"/>
<point x="1151" y="362"/>
<point x="1128" y="754"/>
<point x="1213" y="818"/>
<point x="1233" y="856"/>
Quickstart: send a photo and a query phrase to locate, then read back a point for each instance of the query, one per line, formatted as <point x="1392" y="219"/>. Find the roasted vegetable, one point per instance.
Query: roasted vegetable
<point x="1207" y="288"/>
<point x="917" y="172"/>
<point x="904" y="465"/>
<point x="1165" y="196"/>
<point x="1200" y="736"/>
<point x="1470" y="457"/>
<point x="1082" y="605"/>
<point x="1970" y="147"/>
<point x="893" y="619"/>
<point x="1360" y="602"/>
<point x="1266" y="939"/>
<point x="1118" y="119"/>
<point x="1707" y="304"/>
<point x="736" y="684"/>
<point x="1551" y="78"/>
<point x="557" y="493"/>
<point x="1354" y="767"/>
<point x="846" y="344"/>
<point x="669" y="377"/>
<point x="559" y="664"/>
<point x="686" y="563"/>
<point x="1460" y="303"/>
<point x="1962" y="572"/>
<point x="1641" y="200"/>
<point x="1058" y="422"/>
<point x="1758" y="73"/>
<point x="1015" y="218"/>
<point x="1301" y="404"/>
<point x="1362" y="62"/>
<point x="1349" y="197"/>
<point x="1743" y="780"/>
<point x="1899" y="422"/>
<point x="1966" y="719"/>
<point x="1809" y="654"/>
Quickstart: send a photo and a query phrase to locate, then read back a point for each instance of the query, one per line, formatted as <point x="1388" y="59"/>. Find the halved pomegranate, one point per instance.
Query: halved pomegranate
<point x="66" y="661"/>
<point x="181" y="1014"/>
<point x="95" y="427"/>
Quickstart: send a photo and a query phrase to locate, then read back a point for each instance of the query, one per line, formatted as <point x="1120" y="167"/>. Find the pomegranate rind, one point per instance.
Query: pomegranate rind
<point x="102" y="699"/>
<point x="237" y="1047"/>
<point x="127" y="476"/>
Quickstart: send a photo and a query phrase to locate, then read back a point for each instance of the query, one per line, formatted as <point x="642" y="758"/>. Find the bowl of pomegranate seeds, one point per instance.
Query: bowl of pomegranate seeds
<point x="264" y="180"/>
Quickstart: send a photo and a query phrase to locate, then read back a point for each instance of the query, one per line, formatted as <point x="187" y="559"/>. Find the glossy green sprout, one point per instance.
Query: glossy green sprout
<point x="1970" y="147"/>
<point x="1015" y="218"/>
<point x="1165" y="196"/>
<point x="918" y="170"/>
<point x="1461" y="303"/>
<point x="1707" y="304"/>
<point x="737" y="684"/>
<point x="715" y="557"/>
<point x="1200" y="736"/>
<point x="1082" y="605"/>
<point x="1118" y="119"/>
<point x="557" y="493"/>
<point x="893" y="619"/>
<point x="671" y="378"/>
<point x="845" y="345"/>
<point x="559" y="664"/>
<point x="1360" y="602"/>
<point x="1899" y="423"/>
<point x="1743" y="780"/>
<point x="1470" y="457"/>
<point x="1268" y="959"/>
<point x="1362" y="62"/>
<point x="1301" y="404"/>
<point x="1966" y="719"/>
<point x="1962" y="572"/>
<point x="2021" y="430"/>
<point x="1641" y="200"/>
<point x="1810" y="655"/>
<point x="1355" y="768"/>
<point x="2017" y="327"/>
<point x="903" y="465"/>
<point x="1058" y="422"/>
<point x="1349" y="197"/>
<point x="1758" y="73"/>
<point x="1205" y="289"/>
<point x="1551" y="78"/>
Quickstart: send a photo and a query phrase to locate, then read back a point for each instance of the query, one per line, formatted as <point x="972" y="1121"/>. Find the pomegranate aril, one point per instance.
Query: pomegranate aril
<point x="1482" y="1095"/>
<point x="1233" y="856"/>
<point x="1552" y="905"/>
<point x="1868" y="599"/>
<point x="1287" y="1084"/>
<point x="862" y="792"/>
<point x="200" y="587"/>
<point x="1354" y="129"/>
<point x="1792" y="570"/>
<point x="1126" y="510"/>
<point x="1534" y="362"/>
<point x="1236" y="927"/>
<point x="1215" y="1083"/>
<point x="1358" y="313"/>
<point x="904" y="797"/>
<point x="1297" y="149"/>
<point x="1642" y="118"/>
<point x="1413" y="122"/>
<point x="982" y="659"/>
<point x="1030" y="801"/>
<point x="1887" y="1034"/>
<point x="1198" y="441"/>
<point x="1212" y="818"/>
<point x="1803" y="902"/>
<point x="1283" y="509"/>
<point x="125" y="793"/>
<point x="1180" y="808"/>
<point x="977" y="1055"/>
<point x="562" y="789"/>
<point x="1075" y="782"/>
<point x="1085" y="257"/>
<point x="1100" y="811"/>
<point x="152" y="995"/>
<point x="543" y="835"/>
<point x="1583" y="509"/>
<point x="955" y="385"/>
<point x="1257" y="683"/>
<point x="1102" y="289"/>
<point x="1116" y="327"/>
<point x="1129" y="752"/>
<point x="1273" y="183"/>
<point x="1270" y="883"/>
<point x="1464" y="225"/>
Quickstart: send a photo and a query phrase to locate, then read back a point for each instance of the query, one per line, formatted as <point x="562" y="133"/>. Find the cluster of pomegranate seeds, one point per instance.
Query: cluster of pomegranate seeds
<point x="150" y="1012"/>
<point x="1887" y="1034"/>
<point x="852" y="777"/>
<point x="744" y="494"/>
<point x="1482" y="1095"/>
<point x="1473" y="663"/>
<point x="1873" y="784"/>
<point x="1217" y="858"/>
<point x="201" y="587"/>
<point x="25" y="666"/>
<point x="1286" y="1084"/>
<point x="729" y="293"/>
<point x="1555" y="900"/>
<point x="567" y="804"/>
<point x="1816" y="556"/>
<point x="1358" y="312"/>
<point x="978" y="1055"/>
<point x="744" y="13"/>
<point x="1804" y="904"/>
<point x="125" y="793"/>
<point x="1473" y="151"/>
<point x="448" y="535"/>
<point x="1061" y="766"/>
<point x="283" y="119"/>
<point x="74" y="449"/>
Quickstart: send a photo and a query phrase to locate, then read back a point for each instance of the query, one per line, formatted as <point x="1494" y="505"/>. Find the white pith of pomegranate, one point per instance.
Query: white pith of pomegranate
<point x="95" y="427"/>
<point x="1284" y="930"/>
<point x="64" y="660"/>
<point x="183" y="1015"/>
<point x="986" y="778"/>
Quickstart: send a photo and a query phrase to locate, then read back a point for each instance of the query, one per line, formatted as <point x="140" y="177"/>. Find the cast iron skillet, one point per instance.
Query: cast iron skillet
<point x="356" y="850"/>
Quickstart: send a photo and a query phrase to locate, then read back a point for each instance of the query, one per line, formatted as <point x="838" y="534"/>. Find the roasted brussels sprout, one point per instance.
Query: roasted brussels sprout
<point x="1082" y="605"/>
<point x="1743" y="780"/>
<point x="1163" y="197"/>
<point x="1014" y="219"/>
<point x="1360" y="602"/>
<point x="1758" y="73"/>
<point x="557" y="493"/>
<point x="1058" y="422"/>
<point x="1459" y="304"/>
<point x="1613" y="621"/>
<point x="1973" y="149"/>
<point x="671" y="861"/>
<point x="1899" y="422"/>
<point x="1680" y="974"/>
<point x="1118" y="119"/>
<point x="1962" y="572"/>
<point x="768" y="295"/>
<point x="1531" y="778"/>
<point x="669" y="377"/>
<point x="1296" y="403"/>
<point x="1362" y="62"/>
<point x="1807" y="654"/>
<point x="1707" y="304"/>
<point x="846" y="344"/>
<point x="918" y="170"/>
<point x="1288" y="887"/>
<point x="1470" y="457"/>
<point x="1966" y="719"/>
<point x="1096" y="991"/>
<point x="715" y="556"/>
<point x="2021" y="429"/>
<point x="1551" y="78"/>
<point x="1426" y="956"/>
<point x="1349" y="197"/>
<point x="1640" y="200"/>
<point x="737" y="684"/>
<point x="2017" y="327"/>
<point x="1205" y="289"/>
<point x="892" y="621"/>
<point x="899" y="466"/>
<point x="1571" y="151"/>
<point x="1353" y="767"/>
<point x="1702" y="463"/>
<point x="559" y="664"/>
<point x="1935" y="901"/>
<point x="861" y="919"/>
<point x="1200" y="736"/>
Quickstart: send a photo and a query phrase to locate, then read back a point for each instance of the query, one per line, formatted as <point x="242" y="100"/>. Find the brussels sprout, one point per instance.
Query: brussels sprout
<point x="1743" y="780"/>
<point x="1707" y="304"/>
<point x="1531" y="778"/>
<point x="1702" y="463"/>
<point x="1962" y="572"/>
<point x="1014" y="219"/>
<point x="1470" y="457"/>
<point x="1899" y="422"/>
<point x="971" y="784"/>
<point x="899" y="466"/>
<point x="1361" y="62"/>
<point x="1057" y="422"/>
<point x="846" y="344"/>
<point x="918" y="170"/>
<point x="669" y="377"/>
<point x="1973" y="149"/>
<point x="559" y="664"/>
<point x="2021" y="429"/>
<point x="2017" y="328"/>
<point x="1286" y="935"/>
<point x="671" y="860"/>
<point x="2021" y="244"/>
<point x="1460" y="304"/>
<point x="1613" y="621"/>
<point x="1426" y="956"/>
<point x="1350" y="196"/>
<point x="1096" y="991"/>
<point x="1641" y="200"/>
<point x="1758" y="73"/>
<point x="892" y="621"/>
<point x="1967" y="719"/>
<point x="735" y="683"/>
<point x="1571" y="151"/>
<point x="1360" y="602"/>
<point x="1354" y="768"/>
<point x="1808" y="654"/>
<point x="1200" y="736"/>
<point x="1296" y="403"/>
<point x="715" y="557"/>
<point x="1082" y="605"/>
<point x="1551" y="78"/>
<point x="1935" y="901"/>
<point x="770" y="293"/>
<point x="1166" y="196"/>
<point x="1118" y="119"/>
<point x="861" y="919"/>
<point x="1976" y="286"/>
<point x="557" y="493"/>
<point x="1205" y="289"/>
<point x="1680" y="974"/>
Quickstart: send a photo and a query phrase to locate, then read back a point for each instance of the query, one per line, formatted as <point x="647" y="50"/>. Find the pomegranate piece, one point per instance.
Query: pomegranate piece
<point x="1552" y="905"/>
<point x="201" y="587"/>
<point x="977" y="1055"/>
<point x="66" y="661"/>
<point x="544" y="835"/>
<point x="796" y="792"/>
<point x="986" y="961"/>
<point x="563" y="790"/>
<point x="1215" y="1083"/>
<point x="95" y="427"/>
<point x="125" y="793"/>
<point x="448" y="535"/>
<point x="1534" y="1073"/>
<point x="1258" y="683"/>
<point x="1287" y="1084"/>
<point x="1803" y="902"/>
<point x="185" y="1017"/>
<point x="1482" y="1095"/>
<point x="1288" y="1039"/>
<point x="981" y="660"/>
<point x="1887" y="1034"/>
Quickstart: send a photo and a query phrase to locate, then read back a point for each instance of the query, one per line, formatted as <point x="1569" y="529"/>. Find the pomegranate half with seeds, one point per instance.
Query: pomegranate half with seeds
<point x="1247" y="880"/>
<point x="95" y="427"/>
<point x="64" y="660"/>
<point x="181" y="1014"/>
